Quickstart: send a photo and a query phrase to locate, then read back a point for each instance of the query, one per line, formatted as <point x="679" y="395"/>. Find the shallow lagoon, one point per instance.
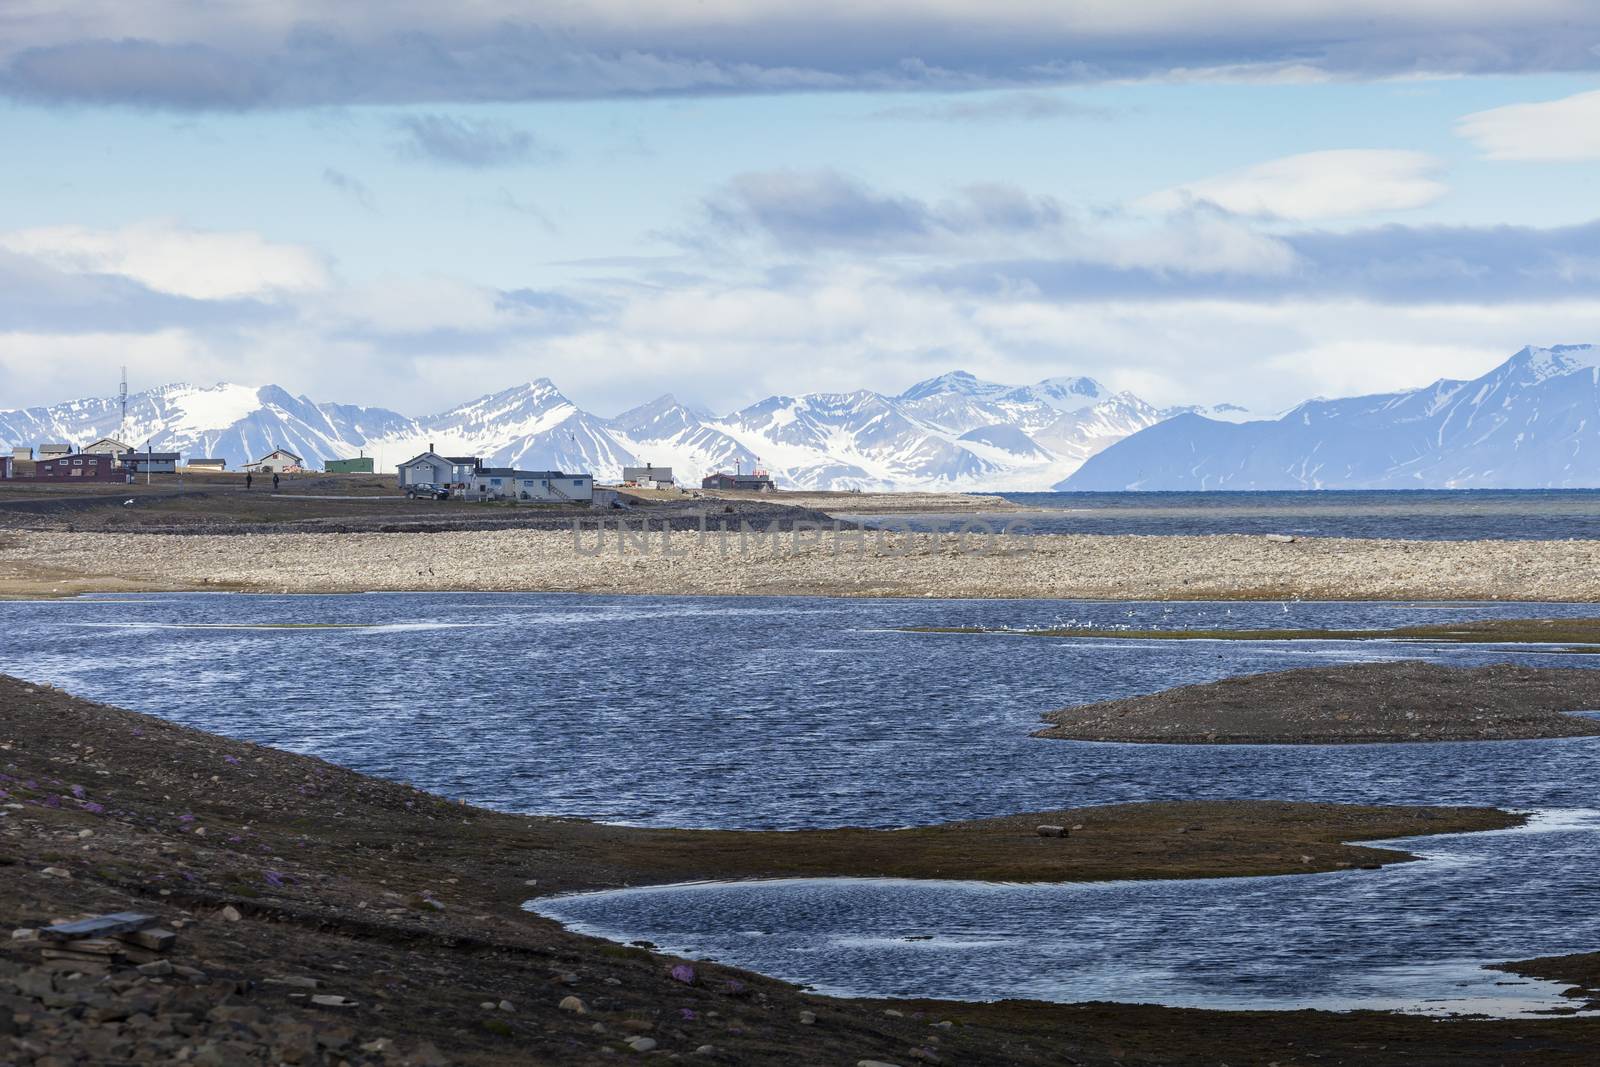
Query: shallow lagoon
<point x="811" y="712"/>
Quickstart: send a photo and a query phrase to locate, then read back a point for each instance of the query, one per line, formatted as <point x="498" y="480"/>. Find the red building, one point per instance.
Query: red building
<point x="90" y="467"/>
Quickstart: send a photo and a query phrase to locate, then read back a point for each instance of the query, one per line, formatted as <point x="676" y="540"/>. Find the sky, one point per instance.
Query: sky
<point x="410" y="204"/>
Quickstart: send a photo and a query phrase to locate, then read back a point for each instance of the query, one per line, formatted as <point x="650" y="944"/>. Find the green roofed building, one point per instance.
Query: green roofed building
<point x="349" y="466"/>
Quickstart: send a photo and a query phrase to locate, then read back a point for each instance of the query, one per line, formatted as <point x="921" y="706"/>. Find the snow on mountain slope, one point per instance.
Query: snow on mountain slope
<point x="952" y="432"/>
<point x="1532" y="422"/>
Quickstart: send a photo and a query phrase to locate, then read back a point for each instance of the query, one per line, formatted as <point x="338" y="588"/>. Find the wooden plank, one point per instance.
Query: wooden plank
<point x="156" y="939"/>
<point x="98" y="926"/>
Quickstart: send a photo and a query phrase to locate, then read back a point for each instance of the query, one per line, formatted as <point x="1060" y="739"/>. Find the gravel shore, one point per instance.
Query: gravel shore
<point x="821" y="563"/>
<point x="1356" y="704"/>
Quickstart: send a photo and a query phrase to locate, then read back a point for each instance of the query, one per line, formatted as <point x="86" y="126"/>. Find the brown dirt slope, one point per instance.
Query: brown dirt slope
<point x="1359" y="703"/>
<point x="407" y="905"/>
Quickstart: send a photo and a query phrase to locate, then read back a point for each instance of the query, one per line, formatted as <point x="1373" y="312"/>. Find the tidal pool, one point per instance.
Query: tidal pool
<point x="1408" y="937"/>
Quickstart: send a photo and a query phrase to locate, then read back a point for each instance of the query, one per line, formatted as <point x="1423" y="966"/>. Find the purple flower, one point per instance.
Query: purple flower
<point x="231" y="759"/>
<point x="52" y="801"/>
<point x="682" y="972"/>
<point x="735" y="987"/>
<point x="274" y="879"/>
<point x="186" y="818"/>
<point x="235" y="839"/>
<point x="78" y="791"/>
<point x="93" y="809"/>
<point x="137" y="732"/>
<point x="688" y="1014"/>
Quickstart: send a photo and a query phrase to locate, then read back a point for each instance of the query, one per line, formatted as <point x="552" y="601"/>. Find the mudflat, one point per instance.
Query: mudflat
<point x="287" y="878"/>
<point x="1361" y="703"/>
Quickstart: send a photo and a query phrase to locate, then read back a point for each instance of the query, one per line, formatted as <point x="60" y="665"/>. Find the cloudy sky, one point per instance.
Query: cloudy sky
<point x="411" y="204"/>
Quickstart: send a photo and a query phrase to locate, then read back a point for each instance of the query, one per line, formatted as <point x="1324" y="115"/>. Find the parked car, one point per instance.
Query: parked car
<point x="427" y="491"/>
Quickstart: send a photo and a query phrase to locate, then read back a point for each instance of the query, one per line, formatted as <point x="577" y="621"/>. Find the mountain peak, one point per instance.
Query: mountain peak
<point x="960" y="382"/>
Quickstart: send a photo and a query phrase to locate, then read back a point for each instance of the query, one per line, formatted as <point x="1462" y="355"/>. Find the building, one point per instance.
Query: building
<point x="206" y="465"/>
<point x="54" y="451"/>
<point x="5" y="469"/>
<point x="758" y="481"/>
<point x="149" y="462"/>
<point x="20" y="452"/>
<point x="648" y="477"/>
<point x="359" y="465"/>
<point x="278" y="461"/>
<point x="506" y="483"/>
<point x="81" y="468"/>
<point x="430" y="468"/>
<point x="107" y="446"/>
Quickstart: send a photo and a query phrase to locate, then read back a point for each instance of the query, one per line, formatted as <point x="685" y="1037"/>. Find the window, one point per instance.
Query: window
<point x="578" y="482"/>
<point x="77" y="463"/>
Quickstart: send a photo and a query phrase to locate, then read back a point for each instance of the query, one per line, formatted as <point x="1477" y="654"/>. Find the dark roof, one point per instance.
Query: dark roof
<point x="511" y="472"/>
<point x="474" y="460"/>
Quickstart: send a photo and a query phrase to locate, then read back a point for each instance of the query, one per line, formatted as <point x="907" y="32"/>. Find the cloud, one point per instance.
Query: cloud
<point x="1001" y="107"/>
<point x="1315" y="185"/>
<point x="351" y="186"/>
<point x="473" y="143"/>
<point x="1396" y="265"/>
<point x="806" y="209"/>
<point x="1558" y="130"/>
<point x="41" y="298"/>
<point x="295" y="53"/>
<point x="199" y="264"/>
<point x="803" y="211"/>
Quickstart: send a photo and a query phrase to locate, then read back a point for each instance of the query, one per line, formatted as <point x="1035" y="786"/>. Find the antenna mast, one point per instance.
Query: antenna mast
<point x="122" y="395"/>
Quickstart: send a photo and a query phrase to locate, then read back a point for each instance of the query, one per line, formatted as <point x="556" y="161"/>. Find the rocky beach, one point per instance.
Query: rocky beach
<point x="814" y="560"/>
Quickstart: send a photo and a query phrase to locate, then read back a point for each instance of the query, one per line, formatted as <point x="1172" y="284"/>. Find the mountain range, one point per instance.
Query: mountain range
<point x="1531" y="423"/>
<point x="952" y="432"/>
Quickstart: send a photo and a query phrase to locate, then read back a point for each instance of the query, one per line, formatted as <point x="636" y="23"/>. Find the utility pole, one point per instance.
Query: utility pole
<point x="122" y="395"/>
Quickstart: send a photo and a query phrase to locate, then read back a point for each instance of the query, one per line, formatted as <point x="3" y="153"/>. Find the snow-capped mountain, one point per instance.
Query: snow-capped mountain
<point x="1532" y="422"/>
<point x="954" y="431"/>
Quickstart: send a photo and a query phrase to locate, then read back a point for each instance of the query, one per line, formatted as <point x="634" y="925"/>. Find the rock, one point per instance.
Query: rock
<point x="641" y="1044"/>
<point x="56" y="872"/>
<point x="24" y="933"/>
<point x="875" y="1063"/>
<point x="486" y="1005"/>
<point x="808" y="1018"/>
<point x="893" y="1014"/>
<point x="569" y="979"/>
<point x="230" y="913"/>
<point x="332" y="1000"/>
<point x="155" y="939"/>
<point x="506" y="1005"/>
<point x="156" y="968"/>
<point x="1281" y="539"/>
<point x="705" y="1050"/>
<point x="1052" y="831"/>
<point x="293" y="981"/>
<point x="574" y="1005"/>
<point x="943" y="1024"/>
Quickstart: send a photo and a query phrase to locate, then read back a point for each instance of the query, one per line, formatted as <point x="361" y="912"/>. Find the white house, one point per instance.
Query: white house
<point x="278" y="461"/>
<point x="505" y="483"/>
<point x="430" y="468"/>
<point x="107" y="446"/>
